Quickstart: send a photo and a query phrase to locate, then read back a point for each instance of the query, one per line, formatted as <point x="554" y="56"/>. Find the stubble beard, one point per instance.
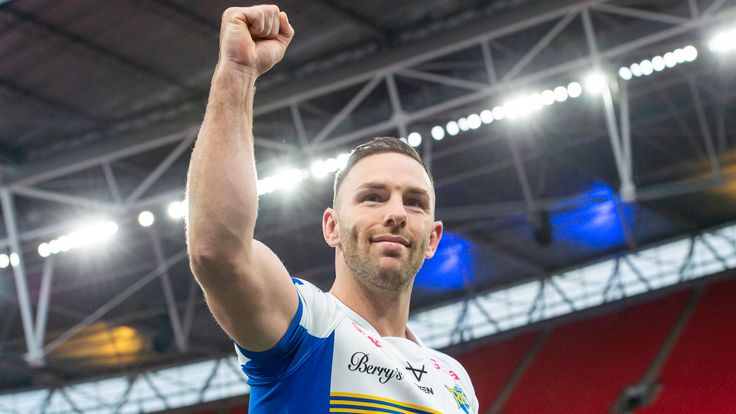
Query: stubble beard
<point x="368" y="270"/>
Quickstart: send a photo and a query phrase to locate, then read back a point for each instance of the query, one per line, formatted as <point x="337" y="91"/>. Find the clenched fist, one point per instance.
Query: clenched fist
<point x="254" y="39"/>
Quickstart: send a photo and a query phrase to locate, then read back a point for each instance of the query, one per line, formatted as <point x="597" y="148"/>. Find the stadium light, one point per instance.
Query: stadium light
<point x="414" y="139"/>
<point x="177" y="210"/>
<point x="89" y="234"/>
<point x="659" y="63"/>
<point x="595" y="82"/>
<point x="486" y="116"/>
<point x="4" y="261"/>
<point x="453" y="128"/>
<point x="723" y="42"/>
<point x="319" y="169"/>
<point x="437" y="132"/>
<point x="146" y="218"/>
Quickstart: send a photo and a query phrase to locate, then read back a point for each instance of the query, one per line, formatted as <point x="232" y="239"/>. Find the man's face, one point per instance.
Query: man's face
<point x="385" y="224"/>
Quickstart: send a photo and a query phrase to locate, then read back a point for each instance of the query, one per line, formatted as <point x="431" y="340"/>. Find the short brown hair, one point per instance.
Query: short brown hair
<point x="378" y="145"/>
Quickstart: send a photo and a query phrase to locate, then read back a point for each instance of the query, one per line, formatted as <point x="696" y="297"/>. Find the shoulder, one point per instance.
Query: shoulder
<point x="452" y="367"/>
<point x="321" y="312"/>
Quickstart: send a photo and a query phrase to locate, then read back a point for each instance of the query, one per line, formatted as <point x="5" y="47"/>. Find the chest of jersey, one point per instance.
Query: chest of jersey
<point x="370" y="373"/>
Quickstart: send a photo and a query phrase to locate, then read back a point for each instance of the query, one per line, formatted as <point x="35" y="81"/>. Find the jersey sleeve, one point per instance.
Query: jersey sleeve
<point x="315" y="320"/>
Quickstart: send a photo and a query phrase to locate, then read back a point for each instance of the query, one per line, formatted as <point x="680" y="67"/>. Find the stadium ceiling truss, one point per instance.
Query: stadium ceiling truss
<point x="616" y="106"/>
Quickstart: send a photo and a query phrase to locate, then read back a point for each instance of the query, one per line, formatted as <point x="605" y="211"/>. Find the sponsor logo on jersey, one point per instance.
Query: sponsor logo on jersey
<point x="360" y="362"/>
<point x="418" y="373"/>
<point x="461" y="399"/>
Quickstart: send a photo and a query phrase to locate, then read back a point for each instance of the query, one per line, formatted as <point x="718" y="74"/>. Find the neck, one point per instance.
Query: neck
<point x="387" y="311"/>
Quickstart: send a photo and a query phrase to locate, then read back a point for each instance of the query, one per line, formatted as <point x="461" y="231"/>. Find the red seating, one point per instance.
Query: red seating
<point x="584" y="366"/>
<point x="700" y="373"/>
<point x="491" y="366"/>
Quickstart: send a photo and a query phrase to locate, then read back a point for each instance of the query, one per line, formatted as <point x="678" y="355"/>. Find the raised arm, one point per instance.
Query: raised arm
<point x="247" y="288"/>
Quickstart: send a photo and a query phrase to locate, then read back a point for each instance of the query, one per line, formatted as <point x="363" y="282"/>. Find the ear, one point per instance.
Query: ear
<point x="434" y="239"/>
<point x="330" y="227"/>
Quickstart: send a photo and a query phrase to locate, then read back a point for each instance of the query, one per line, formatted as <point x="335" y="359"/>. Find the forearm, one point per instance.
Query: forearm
<point x="221" y="185"/>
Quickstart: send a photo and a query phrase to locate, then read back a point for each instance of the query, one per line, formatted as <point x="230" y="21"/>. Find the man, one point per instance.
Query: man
<point x="303" y="350"/>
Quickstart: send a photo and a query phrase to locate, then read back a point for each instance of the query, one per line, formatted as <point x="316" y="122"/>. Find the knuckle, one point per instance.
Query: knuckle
<point x="229" y="12"/>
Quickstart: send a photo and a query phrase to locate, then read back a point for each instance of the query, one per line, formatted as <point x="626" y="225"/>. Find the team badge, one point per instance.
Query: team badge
<point x="461" y="399"/>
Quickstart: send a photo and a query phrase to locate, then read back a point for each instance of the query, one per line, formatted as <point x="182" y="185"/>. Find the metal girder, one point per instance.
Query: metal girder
<point x="21" y="284"/>
<point x="176" y="325"/>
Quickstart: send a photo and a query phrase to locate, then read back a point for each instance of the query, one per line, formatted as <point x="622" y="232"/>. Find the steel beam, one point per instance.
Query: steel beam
<point x="158" y="171"/>
<point x="641" y="14"/>
<point x="112" y="184"/>
<point x="44" y="297"/>
<point x="35" y="355"/>
<point x="180" y="338"/>
<point x="441" y="79"/>
<point x="710" y="148"/>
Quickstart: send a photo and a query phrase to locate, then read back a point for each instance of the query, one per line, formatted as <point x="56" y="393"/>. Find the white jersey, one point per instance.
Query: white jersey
<point x="331" y="360"/>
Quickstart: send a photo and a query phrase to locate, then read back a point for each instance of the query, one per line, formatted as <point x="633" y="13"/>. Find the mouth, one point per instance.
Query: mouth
<point x="391" y="240"/>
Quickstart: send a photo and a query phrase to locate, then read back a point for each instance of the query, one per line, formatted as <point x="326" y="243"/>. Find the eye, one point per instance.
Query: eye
<point x="412" y="202"/>
<point x="371" y="197"/>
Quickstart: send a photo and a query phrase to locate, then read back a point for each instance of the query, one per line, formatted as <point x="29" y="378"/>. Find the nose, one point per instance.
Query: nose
<point x="396" y="213"/>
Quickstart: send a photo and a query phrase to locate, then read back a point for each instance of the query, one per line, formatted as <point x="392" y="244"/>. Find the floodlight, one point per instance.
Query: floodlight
<point x="287" y="179"/>
<point x="723" y="42"/>
<point x="266" y="185"/>
<point x="414" y="139"/>
<point x="691" y="53"/>
<point x="176" y="210"/>
<point x="318" y="169"/>
<point x="437" y="132"/>
<point x="596" y="82"/>
<point x="625" y="73"/>
<point x="452" y="128"/>
<point x="658" y="63"/>
<point x="463" y="124"/>
<point x="146" y="218"/>
<point x="498" y="112"/>
<point x="331" y="165"/>
<point x="679" y="55"/>
<point x="635" y="69"/>
<point x="574" y="89"/>
<point x="14" y="259"/>
<point x="646" y="67"/>
<point x="560" y="94"/>
<point x="669" y="60"/>
<point x="4" y="261"/>
<point x="548" y="97"/>
<point x="474" y="121"/>
<point x="342" y="161"/>
<point x="486" y="116"/>
<point x="535" y="101"/>
<point x="44" y="250"/>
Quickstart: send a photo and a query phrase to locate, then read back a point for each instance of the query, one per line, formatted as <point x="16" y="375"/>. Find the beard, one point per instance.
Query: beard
<point x="367" y="268"/>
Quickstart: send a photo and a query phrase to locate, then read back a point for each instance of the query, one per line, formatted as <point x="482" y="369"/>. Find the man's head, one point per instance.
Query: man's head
<point x="382" y="221"/>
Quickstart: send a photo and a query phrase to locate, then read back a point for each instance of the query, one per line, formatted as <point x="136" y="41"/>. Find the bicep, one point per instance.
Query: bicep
<point x="252" y="298"/>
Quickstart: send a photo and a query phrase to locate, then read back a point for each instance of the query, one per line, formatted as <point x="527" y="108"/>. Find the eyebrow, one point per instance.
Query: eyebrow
<point x="382" y="186"/>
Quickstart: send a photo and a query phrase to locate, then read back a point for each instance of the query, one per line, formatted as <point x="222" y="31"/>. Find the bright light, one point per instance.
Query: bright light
<point x="535" y="101"/>
<point x="595" y="82"/>
<point x="486" y="116"/>
<point x="44" y="250"/>
<point x="177" y="210"/>
<point x="679" y="55"/>
<point x="90" y="234"/>
<point x="342" y="161"/>
<point x="560" y="94"/>
<point x="516" y="107"/>
<point x="548" y="97"/>
<point x="498" y="113"/>
<point x="474" y="121"/>
<point x="635" y="69"/>
<point x="646" y="67"/>
<point x="463" y="124"/>
<point x="574" y="89"/>
<point x="658" y="63"/>
<point x="14" y="259"/>
<point x="318" y="169"/>
<point x="453" y="128"/>
<point x="145" y="219"/>
<point x="287" y="179"/>
<point x="669" y="60"/>
<point x="625" y="73"/>
<point x="414" y="139"/>
<point x="437" y="132"/>
<point x="723" y="42"/>
<point x="691" y="53"/>
<point x="4" y="261"/>
<point x="331" y="165"/>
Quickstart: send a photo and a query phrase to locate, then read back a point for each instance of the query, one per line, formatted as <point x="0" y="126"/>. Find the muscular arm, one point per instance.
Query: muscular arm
<point x="247" y="288"/>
